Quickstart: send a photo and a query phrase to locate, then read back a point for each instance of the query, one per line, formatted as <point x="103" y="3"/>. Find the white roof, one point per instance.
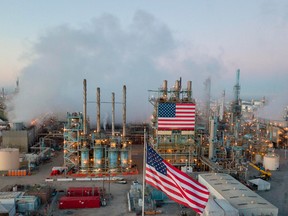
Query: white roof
<point x="262" y="184"/>
<point x="213" y="209"/>
<point x="224" y="186"/>
<point x="6" y="208"/>
<point x="227" y="207"/>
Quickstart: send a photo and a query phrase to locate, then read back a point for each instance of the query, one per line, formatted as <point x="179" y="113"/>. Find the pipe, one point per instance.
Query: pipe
<point x="113" y="114"/>
<point x="85" y="107"/>
<point x="98" y="110"/>
<point x="124" y="112"/>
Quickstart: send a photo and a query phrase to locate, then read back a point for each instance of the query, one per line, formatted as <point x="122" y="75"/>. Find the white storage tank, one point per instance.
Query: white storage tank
<point x="9" y="159"/>
<point x="271" y="161"/>
<point x="258" y="158"/>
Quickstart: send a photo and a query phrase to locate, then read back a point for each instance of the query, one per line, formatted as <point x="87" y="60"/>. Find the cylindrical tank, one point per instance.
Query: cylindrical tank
<point x="84" y="158"/>
<point x="124" y="158"/>
<point x="98" y="155"/>
<point x="258" y="158"/>
<point x="9" y="159"/>
<point x="271" y="161"/>
<point x="113" y="156"/>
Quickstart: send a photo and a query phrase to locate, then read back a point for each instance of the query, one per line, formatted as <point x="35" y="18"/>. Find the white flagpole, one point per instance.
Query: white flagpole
<point x="144" y="167"/>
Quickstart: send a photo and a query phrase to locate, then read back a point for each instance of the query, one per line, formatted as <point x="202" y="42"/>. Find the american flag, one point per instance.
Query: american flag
<point x="176" y="116"/>
<point x="174" y="183"/>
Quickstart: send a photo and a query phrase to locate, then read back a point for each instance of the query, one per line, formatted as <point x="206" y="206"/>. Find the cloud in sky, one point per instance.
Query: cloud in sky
<point x="109" y="55"/>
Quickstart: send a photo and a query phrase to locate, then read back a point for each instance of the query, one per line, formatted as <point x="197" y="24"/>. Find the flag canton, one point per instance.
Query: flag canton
<point x="167" y="110"/>
<point x="153" y="159"/>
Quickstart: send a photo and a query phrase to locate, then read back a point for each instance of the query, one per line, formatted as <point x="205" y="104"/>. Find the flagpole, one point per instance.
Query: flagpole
<point x="144" y="167"/>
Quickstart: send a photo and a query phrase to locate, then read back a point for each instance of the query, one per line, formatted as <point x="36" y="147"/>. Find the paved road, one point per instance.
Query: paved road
<point x="278" y="195"/>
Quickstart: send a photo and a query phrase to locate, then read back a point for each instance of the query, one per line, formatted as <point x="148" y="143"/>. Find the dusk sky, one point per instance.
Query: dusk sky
<point x="53" y="45"/>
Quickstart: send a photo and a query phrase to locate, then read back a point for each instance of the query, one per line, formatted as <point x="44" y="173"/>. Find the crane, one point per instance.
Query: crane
<point x="265" y="174"/>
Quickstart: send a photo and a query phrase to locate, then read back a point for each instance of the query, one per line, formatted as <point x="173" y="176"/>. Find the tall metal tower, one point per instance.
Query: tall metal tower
<point x="236" y="105"/>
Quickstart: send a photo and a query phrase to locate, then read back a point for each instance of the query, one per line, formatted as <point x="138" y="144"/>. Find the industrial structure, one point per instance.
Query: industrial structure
<point x="245" y="201"/>
<point x="9" y="159"/>
<point x="173" y="124"/>
<point x="95" y="152"/>
<point x="19" y="137"/>
<point x="223" y="138"/>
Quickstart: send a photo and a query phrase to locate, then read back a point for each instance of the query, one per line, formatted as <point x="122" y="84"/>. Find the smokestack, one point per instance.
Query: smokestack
<point x="177" y="89"/>
<point x="98" y="110"/>
<point x="189" y="90"/>
<point x="113" y="114"/>
<point x="165" y="89"/>
<point x="85" y="107"/>
<point x="124" y="112"/>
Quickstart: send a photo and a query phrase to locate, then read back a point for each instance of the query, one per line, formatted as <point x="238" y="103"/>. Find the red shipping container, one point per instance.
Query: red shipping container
<point x="79" y="202"/>
<point x="82" y="191"/>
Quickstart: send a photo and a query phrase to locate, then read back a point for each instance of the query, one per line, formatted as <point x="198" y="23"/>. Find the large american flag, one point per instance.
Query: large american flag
<point x="174" y="183"/>
<point x="176" y="116"/>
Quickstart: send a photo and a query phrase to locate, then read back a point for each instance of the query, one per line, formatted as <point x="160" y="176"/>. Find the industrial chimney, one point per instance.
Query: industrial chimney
<point x="164" y="89"/>
<point x="124" y="112"/>
<point x="98" y="111"/>
<point x="189" y="90"/>
<point x="84" y="107"/>
<point x="113" y="114"/>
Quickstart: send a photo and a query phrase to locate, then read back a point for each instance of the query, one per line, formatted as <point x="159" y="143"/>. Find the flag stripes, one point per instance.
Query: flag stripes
<point x="173" y="116"/>
<point x="174" y="183"/>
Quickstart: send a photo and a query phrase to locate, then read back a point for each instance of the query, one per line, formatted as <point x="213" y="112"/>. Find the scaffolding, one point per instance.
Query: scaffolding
<point x="72" y="137"/>
<point x="175" y="144"/>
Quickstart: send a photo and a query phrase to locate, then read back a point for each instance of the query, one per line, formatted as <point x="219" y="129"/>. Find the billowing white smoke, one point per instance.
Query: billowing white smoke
<point x="108" y="55"/>
<point x="274" y="108"/>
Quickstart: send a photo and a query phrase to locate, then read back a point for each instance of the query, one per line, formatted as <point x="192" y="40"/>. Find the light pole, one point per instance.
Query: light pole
<point x="285" y="144"/>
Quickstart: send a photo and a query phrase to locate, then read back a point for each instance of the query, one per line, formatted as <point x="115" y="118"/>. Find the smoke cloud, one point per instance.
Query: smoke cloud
<point x="109" y="55"/>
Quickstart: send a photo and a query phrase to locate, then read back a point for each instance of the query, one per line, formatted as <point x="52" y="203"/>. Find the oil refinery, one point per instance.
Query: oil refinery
<point x="222" y="144"/>
<point x="86" y="152"/>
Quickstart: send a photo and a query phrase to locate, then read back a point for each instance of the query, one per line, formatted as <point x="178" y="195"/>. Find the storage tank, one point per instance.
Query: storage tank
<point x="258" y="158"/>
<point x="271" y="161"/>
<point x="9" y="159"/>
<point x="124" y="158"/>
<point x="113" y="156"/>
<point x="98" y="155"/>
<point x="85" y="158"/>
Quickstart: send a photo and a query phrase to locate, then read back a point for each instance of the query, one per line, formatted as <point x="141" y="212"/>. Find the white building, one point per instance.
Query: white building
<point x="247" y="202"/>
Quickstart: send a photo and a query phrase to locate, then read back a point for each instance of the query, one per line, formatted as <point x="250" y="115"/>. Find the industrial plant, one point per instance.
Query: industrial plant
<point x="221" y="143"/>
<point x="95" y="152"/>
